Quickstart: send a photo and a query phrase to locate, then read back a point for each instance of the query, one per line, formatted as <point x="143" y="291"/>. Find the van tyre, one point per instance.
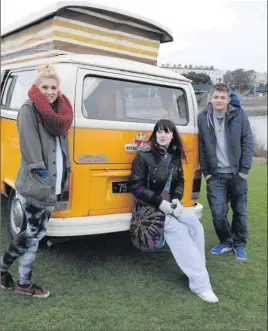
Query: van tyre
<point x="16" y="217"/>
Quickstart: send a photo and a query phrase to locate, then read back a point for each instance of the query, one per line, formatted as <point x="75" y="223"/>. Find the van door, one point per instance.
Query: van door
<point x="114" y="113"/>
<point x="14" y="88"/>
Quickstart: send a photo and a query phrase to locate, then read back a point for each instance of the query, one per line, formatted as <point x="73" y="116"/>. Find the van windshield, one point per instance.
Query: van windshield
<point x="119" y="100"/>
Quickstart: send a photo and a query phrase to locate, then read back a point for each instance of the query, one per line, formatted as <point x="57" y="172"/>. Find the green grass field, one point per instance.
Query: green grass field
<point x="103" y="283"/>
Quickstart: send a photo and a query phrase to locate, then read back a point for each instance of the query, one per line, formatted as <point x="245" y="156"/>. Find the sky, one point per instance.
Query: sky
<point x="226" y="34"/>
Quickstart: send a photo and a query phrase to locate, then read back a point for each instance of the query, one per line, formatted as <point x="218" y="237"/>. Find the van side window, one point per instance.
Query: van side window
<point x="120" y="100"/>
<point x="16" y="89"/>
<point x="5" y="94"/>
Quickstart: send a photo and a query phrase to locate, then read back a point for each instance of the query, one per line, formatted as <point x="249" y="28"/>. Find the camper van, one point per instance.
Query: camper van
<point x="107" y="62"/>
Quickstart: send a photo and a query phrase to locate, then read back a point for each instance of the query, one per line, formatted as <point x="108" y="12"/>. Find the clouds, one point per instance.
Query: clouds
<point x="226" y="34"/>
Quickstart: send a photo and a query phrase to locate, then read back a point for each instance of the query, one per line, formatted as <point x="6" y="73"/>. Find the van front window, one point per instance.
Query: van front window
<point x="118" y="100"/>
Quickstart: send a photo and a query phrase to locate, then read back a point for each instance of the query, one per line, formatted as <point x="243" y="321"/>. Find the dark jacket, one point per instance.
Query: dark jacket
<point x="38" y="151"/>
<point x="149" y="175"/>
<point x="239" y="138"/>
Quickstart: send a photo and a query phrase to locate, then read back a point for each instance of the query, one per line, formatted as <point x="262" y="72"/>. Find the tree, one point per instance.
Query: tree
<point x="239" y="79"/>
<point x="228" y="78"/>
<point x="251" y="75"/>
<point x="198" y="78"/>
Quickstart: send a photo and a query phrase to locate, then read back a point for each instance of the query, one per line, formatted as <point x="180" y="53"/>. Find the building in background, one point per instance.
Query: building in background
<point x="215" y="75"/>
<point x="261" y="77"/>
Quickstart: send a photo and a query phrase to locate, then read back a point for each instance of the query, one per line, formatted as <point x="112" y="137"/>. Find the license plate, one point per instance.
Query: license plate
<point x="120" y="187"/>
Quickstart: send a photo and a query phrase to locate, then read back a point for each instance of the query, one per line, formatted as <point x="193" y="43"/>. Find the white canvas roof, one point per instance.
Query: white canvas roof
<point x="56" y="7"/>
<point x="80" y="27"/>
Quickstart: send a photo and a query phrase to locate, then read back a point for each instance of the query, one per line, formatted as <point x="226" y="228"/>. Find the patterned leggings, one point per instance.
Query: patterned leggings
<point x="25" y="244"/>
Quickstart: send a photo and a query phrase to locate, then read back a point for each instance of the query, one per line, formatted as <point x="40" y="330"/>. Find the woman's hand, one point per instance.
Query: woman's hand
<point x="178" y="207"/>
<point x="166" y="207"/>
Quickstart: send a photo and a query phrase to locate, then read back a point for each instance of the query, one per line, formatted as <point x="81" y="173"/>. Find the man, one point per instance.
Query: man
<point x="226" y="152"/>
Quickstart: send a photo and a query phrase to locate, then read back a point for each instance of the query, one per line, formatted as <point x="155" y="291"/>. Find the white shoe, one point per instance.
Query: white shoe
<point x="208" y="296"/>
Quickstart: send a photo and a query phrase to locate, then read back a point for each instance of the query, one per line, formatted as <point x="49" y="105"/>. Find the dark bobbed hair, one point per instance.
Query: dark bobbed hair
<point x="176" y="146"/>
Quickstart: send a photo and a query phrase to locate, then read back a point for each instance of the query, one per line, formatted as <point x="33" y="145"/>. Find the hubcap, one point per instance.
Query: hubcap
<point x="16" y="216"/>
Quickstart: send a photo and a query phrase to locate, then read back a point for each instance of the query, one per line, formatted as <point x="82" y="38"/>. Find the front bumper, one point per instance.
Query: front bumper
<point x="88" y="225"/>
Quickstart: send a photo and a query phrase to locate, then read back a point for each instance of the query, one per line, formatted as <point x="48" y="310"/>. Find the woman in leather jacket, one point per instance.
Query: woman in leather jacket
<point x="183" y="232"/>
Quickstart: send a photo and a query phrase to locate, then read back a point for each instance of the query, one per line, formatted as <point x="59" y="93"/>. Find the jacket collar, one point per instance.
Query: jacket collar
<point x="147" y="147"/>
<point x="231" y="112"/>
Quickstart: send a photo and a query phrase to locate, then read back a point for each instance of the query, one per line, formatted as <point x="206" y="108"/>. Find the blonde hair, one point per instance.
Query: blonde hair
<point x="46" y="71"/>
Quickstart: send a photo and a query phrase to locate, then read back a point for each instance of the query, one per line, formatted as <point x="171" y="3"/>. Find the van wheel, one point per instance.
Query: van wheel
<point x="16" y="219"/>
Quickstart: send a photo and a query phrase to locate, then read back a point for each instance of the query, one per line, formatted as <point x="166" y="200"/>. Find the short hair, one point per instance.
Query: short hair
<point x="220" y="87"/>
<point x="46" y="71"/>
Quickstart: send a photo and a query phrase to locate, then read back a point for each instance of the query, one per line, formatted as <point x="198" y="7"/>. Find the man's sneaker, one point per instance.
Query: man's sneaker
<point x="208" y="296"/>
<point x="240" y="253"/>
<point x="220" y="248"/>
<point x="33" y="290"/>
<point x="7" y="281"/>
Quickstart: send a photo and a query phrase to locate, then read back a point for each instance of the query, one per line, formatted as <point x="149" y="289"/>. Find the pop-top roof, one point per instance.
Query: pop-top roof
<point x="83" y="28"/>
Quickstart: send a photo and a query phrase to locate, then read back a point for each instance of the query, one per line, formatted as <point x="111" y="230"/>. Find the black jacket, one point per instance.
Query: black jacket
<point x="149" y="175"/>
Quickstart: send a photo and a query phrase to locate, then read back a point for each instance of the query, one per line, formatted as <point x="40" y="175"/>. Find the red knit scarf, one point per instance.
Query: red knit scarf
<point x="55" y="123"/>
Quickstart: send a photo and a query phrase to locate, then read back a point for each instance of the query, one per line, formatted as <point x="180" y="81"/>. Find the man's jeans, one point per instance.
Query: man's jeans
<point x="222" y="189"/>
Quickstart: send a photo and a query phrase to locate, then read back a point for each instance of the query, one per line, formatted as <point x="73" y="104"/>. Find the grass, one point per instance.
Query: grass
<point x="103" y="283"/>
<point x="259" y="148"/>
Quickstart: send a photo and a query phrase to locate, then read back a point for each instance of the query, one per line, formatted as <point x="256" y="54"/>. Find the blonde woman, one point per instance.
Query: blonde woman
<point x="43" y="124"/>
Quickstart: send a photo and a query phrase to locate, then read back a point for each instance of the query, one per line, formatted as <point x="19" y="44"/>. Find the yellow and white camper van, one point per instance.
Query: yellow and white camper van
<point x="106" y="59"/>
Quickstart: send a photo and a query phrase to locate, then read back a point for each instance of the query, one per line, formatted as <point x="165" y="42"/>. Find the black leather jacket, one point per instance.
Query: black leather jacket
<point x="149" y="175"/>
